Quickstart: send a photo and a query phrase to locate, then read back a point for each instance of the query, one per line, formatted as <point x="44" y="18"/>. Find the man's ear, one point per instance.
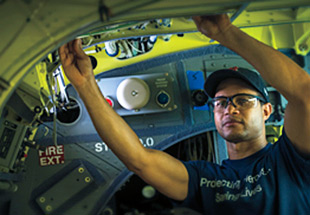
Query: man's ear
<point x="267" y="110"/>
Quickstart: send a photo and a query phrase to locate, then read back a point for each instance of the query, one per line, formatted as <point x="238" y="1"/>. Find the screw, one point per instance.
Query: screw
<point x="42" y="199"/>
<point x="48" y="208"/>
<point x="107" y="211"/>
<point x="134" y="93"/>
<point x="81" y="170"/>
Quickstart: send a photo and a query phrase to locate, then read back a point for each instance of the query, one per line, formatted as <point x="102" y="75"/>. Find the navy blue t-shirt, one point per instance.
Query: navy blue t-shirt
<point x="274" y="180"/>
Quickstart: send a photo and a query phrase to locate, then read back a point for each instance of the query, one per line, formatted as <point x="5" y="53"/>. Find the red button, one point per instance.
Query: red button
<point x="110" y="101"/>
<point x="235" y="68"/>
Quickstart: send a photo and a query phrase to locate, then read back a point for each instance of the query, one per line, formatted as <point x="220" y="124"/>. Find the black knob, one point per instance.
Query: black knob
<point x="199" y="98"/>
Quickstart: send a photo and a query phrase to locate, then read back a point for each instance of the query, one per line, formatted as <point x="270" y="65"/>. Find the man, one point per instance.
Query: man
<point x="258" y="178"/>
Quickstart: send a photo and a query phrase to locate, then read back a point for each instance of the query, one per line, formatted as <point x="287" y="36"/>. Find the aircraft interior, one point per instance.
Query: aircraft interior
<point x="52" y="161"/>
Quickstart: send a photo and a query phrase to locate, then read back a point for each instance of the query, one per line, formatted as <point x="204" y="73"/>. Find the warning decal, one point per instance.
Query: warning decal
<point x="52" y="155"/>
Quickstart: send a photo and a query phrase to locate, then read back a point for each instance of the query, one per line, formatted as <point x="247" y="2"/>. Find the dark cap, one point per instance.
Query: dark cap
<point x="250" y="77"/>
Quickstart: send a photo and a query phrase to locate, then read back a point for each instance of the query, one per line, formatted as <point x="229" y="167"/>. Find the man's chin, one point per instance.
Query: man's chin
<point x="233" y="137"/>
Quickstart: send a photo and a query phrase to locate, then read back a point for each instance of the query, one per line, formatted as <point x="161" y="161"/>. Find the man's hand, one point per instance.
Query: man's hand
<point x="76" y="64"/>
<point x="212" y="26"/>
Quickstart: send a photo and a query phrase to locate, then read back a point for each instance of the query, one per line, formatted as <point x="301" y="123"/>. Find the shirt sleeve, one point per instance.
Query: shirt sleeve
<point x="193" y="199"/>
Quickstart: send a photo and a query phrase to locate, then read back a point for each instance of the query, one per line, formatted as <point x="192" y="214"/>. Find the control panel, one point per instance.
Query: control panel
<point x="11" y="137"/>
<point x="139" y="94"/>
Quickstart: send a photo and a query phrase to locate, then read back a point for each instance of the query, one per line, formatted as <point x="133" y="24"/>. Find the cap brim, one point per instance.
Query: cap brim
<point x="217" y="77"/>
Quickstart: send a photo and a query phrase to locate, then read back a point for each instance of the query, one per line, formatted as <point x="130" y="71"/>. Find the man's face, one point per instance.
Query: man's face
<point x="239" y="125"/>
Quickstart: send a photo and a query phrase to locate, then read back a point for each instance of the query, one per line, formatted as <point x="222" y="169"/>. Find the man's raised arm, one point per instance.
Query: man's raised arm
<point x="167" y="174"/>
<point x="276" y="68"/>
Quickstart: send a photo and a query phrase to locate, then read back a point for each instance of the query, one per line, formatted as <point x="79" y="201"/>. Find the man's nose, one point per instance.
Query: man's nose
<point x="230" y="108"/>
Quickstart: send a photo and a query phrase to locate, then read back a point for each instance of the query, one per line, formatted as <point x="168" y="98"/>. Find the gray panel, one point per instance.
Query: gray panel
<point x="60" y="193"/>
<point x="160" y="82"/>
<point x="105" y="161"/>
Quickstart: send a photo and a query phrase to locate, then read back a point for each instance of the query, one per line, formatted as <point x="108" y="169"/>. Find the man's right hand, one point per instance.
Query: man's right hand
<point x="76" y="64"/>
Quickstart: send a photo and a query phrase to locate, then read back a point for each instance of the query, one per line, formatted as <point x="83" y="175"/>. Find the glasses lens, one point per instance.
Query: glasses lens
<point x="219" y="103"/>
<point x="245" y="101"/>
<point x="241" y="102"/>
